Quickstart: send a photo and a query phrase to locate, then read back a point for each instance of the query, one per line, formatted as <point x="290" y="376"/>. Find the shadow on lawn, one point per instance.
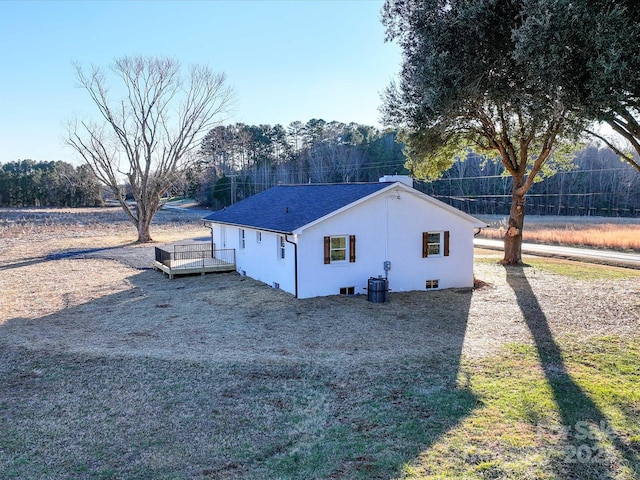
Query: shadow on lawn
<point x="72" y="253"/>
<point x="110" y="391"/>
<point x="584" y="424"/>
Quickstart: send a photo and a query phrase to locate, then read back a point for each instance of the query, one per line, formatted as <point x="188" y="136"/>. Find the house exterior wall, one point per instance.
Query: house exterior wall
<point x="259" y="259"/>
<point x="388" y="227"/>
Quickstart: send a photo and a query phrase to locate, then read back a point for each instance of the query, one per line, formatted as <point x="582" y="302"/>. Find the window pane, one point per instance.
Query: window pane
<point x="338" y="242"/>
<point x="434" y="243"/>
<point x="338" y="255"/>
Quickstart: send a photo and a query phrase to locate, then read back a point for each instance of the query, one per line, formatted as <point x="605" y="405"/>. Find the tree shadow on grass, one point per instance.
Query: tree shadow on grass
<point x="65" y="254"/>
<point x="110" y="389"/>
<point x="584" y="425"/>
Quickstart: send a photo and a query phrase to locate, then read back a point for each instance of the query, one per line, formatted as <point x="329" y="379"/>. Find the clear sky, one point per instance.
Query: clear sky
<point x="287" y="60"/>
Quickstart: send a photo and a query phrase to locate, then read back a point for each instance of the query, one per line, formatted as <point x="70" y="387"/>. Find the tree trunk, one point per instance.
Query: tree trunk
<point x="144" y="234"/>
<point x="513" y="235"/>
<point x="144" y="228"/>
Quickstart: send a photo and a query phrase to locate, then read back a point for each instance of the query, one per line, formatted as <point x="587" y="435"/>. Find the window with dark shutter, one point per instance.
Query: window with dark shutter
<point x="339" y="249"/>
<point x="352" y="248"/>
<point x="435" y="244"/>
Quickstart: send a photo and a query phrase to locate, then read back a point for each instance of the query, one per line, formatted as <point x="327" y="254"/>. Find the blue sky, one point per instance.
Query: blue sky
<point x="287" y="60"/>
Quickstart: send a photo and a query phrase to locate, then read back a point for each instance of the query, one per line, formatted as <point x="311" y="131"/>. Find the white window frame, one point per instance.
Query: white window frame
<point x="282" y="248"/>
<point x="345" y="239"/>
<point x="439" y="245"/>
<point x="258" y="236"/>
<point x="242" y="238"/>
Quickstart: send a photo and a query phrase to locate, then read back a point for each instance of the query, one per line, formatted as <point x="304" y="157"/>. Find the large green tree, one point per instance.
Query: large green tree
<point x="462" y="86"/>
<point x="147" y="135"/>
<point x="590" y="51"/>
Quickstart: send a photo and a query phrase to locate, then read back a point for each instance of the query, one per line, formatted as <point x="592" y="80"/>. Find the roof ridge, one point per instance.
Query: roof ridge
<point x="272" y="209"/>
<point x="327" y="184"/>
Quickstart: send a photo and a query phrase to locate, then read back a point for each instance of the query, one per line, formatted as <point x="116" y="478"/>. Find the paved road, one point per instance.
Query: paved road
<point x="187" y="208"/>
<point x="607" y="257"/>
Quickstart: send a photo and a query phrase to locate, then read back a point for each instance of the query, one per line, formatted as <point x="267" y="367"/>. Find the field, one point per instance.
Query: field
<point x="108" y="370"/>
<point x="613" y="233"/>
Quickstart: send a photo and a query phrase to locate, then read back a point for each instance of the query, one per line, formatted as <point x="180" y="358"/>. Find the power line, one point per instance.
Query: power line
<point x="529" y="195"/>
<point x="508" y="177"/>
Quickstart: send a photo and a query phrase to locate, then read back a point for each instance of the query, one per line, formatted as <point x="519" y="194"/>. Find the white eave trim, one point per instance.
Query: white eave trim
<point x="211" y="223"/>
<point x="395" y="186"/>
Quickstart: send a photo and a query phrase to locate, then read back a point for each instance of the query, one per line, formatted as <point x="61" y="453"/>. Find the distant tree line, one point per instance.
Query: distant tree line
<point x="599" y="183"/>
<point x="237" y="161"/>
<point x="30" y="183"/>
<point x="240" y="160"/>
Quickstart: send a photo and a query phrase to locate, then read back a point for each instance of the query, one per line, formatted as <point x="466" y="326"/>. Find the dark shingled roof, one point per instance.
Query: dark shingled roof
<point x="286" y="208"/>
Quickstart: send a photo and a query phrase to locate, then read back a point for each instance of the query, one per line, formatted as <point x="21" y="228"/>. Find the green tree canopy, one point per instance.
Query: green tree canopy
<point x="462" y="86"/>
<point x="590" y="51"/>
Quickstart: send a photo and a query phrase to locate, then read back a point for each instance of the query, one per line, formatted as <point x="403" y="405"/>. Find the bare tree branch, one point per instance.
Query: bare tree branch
<point x="625" y="156"/>
<point x="154" y="126"/>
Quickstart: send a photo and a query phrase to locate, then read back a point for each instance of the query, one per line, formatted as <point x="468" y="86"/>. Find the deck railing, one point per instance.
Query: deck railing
<point x="194" y="255"/>
<point x="163" y="256"/>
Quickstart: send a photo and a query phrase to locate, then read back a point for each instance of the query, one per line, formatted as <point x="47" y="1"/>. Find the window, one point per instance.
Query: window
<point x="281" y="247"/>
<point x="338" y="251"/>
<point x="347" y="290"/>
<point x="435" y="244"/>
<point x="258" y="237"/>
<point x="432" y="285"/>
<point x="242" y="238"/>
<point x="339" y="248"/>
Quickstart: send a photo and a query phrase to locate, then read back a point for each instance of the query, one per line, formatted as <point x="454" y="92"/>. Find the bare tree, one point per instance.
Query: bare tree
<point x="148" y="135"/>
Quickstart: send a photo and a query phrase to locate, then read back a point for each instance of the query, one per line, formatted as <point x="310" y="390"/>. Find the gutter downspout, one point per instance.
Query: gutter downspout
<point x="212" y="244"/>
<point x="295" y="258"/>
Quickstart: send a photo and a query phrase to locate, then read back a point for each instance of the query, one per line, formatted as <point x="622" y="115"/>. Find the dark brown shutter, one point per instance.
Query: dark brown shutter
<point x="352" y="248"/>
<point x="327" y="250"/>
<point x="446" y="243"/>
<point x="425" y="244"/>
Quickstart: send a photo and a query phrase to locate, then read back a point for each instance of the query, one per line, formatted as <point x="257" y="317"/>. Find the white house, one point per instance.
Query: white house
<point x="328" y="239"/>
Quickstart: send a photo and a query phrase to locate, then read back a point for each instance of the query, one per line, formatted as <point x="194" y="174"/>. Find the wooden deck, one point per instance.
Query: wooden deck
<point x="194" y="260"/>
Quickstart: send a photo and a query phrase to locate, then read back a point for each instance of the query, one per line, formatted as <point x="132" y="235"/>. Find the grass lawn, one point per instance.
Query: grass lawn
<point x="111" y="372"/>
<point x="569" y="411"/>
<point x="523" y="414"/>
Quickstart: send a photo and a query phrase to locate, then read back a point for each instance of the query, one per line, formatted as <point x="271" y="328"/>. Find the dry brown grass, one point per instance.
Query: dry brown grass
<point x="114" y="371"/>
<point x="623" y="234"/>
<point x="39" y="284"/>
